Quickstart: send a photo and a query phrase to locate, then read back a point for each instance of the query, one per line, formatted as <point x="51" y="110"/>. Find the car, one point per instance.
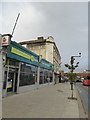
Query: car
<point x="78" y="80"/>
<point x="86" y="81"/>
<point x="62" y="80"/>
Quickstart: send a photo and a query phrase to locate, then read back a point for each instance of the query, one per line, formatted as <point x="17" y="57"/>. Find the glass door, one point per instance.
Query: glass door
<point x="12" y="80"/>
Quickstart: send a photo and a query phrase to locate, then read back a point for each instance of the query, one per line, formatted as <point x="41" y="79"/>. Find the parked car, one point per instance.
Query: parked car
<point x="78" y="80"/>
<point x="86" y="81"/>
<point x="62" y="80"/>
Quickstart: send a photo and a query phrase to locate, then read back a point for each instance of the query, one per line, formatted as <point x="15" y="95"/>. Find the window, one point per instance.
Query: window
<point x="44" y="74"/>
<point x="28" y="74"/>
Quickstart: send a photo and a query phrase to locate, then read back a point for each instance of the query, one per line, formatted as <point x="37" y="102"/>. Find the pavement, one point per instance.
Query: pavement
<point x="47" y="102"/>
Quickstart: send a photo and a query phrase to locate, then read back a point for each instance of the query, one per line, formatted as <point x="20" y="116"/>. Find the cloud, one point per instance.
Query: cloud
<point x="85" y="29"/>
<point x="66" y="22"/>
<point x="29" y="15"/>
<point x="30" y="19"/>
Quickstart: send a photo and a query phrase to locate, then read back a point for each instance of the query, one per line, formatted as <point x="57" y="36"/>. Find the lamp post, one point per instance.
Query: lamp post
<point x="72" y="62"/>
<point x="72" y="68"/>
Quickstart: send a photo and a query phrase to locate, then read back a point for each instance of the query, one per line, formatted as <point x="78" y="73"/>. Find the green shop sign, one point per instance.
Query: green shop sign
<point x="47" y="65"/>
<point x="20" y="53"/>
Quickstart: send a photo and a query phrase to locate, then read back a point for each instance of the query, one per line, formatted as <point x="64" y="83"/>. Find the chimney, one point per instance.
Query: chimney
<point x="40" y="38"/>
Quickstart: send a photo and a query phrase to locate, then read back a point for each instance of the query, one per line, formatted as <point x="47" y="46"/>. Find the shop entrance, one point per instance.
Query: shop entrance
<point x="12" y="76"/>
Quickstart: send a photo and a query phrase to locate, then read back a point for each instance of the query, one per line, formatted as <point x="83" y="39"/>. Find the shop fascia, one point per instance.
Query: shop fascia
<point x="20" y="53"/>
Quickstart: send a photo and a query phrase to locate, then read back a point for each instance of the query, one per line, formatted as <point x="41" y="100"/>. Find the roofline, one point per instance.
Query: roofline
<point x="35" y="41"/>
<point x="39" y="41"/>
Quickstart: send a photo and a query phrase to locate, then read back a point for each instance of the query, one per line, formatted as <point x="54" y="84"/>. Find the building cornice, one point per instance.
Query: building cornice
<point x="41" y="40"/>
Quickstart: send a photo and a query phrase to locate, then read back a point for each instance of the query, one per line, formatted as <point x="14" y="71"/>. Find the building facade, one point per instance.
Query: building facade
<point x="24" y="70"/>
<point x="48" y="50"/>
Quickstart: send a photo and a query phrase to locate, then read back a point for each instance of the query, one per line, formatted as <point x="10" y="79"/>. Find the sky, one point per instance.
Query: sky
<point x="66" y="22"/>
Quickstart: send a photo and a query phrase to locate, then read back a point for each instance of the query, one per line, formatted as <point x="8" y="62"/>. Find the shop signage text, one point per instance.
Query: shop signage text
<point x="21" y="53"/>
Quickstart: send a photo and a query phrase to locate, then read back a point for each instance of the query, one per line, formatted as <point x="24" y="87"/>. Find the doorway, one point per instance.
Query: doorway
<point x="12" y="77"/>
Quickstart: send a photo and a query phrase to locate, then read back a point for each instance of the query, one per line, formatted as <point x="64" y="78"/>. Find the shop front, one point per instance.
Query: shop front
<point x="10" y="77"/>
<point x="20" y="69"/>
<point x="46" y="72"/>
<point x="23" y="71"/>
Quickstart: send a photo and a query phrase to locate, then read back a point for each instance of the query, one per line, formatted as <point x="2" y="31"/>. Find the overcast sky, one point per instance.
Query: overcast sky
<point x="67" y="22"/>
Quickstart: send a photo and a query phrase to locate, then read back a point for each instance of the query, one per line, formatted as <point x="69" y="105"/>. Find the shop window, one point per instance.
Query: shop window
<point x="45" y="75"/>
<point x="28" y="74"/>
<point x="51" y="76"/>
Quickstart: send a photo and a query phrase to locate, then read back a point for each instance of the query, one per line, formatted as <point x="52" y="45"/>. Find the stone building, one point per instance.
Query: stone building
<point x="47" y="49"/>
<point x="22" y="69"/>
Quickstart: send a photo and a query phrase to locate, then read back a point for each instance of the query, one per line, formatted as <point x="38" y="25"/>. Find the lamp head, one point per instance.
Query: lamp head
<point x="79" y="54"/>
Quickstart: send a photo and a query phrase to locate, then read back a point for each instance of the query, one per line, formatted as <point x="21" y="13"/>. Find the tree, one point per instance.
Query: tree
<point x="71" y="75"/>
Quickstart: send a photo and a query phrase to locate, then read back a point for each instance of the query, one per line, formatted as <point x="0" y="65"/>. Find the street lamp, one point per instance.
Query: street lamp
<point x="72" y="61"/>
<point x="72" y="68"/>
<point x="77" y="55"/>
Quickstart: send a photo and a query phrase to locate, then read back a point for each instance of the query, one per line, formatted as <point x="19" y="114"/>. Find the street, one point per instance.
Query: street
<point x="43" y="53"/>
<point x="83" y="91"/>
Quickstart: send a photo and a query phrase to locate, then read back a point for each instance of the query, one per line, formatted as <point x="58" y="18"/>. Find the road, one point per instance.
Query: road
<point x="83" y="91"/>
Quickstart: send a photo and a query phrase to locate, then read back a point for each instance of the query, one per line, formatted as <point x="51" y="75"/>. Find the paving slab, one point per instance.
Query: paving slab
<point x="48" y="102"/>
